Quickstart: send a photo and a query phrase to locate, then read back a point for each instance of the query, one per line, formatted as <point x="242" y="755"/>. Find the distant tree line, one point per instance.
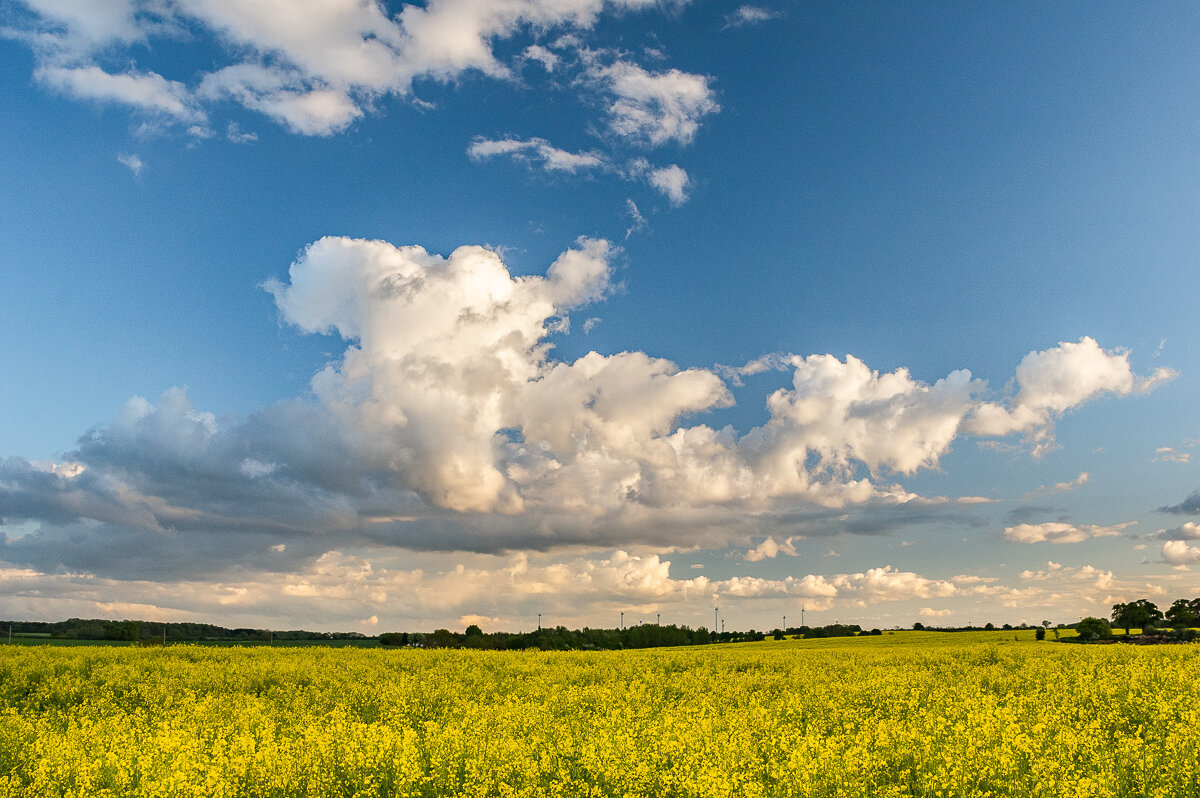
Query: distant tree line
<point x="549" y="638"/>
<point x="641" y="636"/>
<point x="987" y="627"/>
<point x="100" y="629"/>
<point x="830" y="630"/>
<point x="560" y="638"/>
<point x="1176" y="624"/>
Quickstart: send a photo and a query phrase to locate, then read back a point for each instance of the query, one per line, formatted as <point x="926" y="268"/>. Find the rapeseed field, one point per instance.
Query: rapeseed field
<point x="905" y="714"/>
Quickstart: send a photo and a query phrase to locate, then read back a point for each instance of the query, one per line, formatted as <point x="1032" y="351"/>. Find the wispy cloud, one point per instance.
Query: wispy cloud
<point x="671" y="181"/>
<point x="148" y="91"/>
<point x="234" y="133"/>
<point x="322" y="67"/>
<point x="637" y="222"/>
<point x="536" y="151"/>
<point x="132" y="162"/>
<point x="1057" y="487"/>
<point x="1168" y="454"/>
<point x="749" y="15"/>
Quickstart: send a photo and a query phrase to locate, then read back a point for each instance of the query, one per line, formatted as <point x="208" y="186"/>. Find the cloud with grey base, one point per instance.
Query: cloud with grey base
<point x="1189" y="506"/>
<point x="1187" y="531"/>
<point x="1061" y="532"/>
<point x="447" y="424"/>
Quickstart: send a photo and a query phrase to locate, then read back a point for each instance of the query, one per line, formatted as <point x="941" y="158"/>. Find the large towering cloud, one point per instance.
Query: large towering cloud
<point x="445" y="349"/>
<point x="447" y="424"/>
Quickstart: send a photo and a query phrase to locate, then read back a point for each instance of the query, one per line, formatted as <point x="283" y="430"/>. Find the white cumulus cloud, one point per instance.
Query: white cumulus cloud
<point x="655" y="107"/>
<point x="316" y="66"/>
<point x="769" y="549"/>
<point x="1177" y="552"/>
<point x="1060" y="532"/>
<point x="447" y="424"/>
<point x="1056" y="380"/>
<point x="672" y="181"/>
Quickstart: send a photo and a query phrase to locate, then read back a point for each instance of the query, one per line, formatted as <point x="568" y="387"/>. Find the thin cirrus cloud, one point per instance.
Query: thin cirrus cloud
<point x="447" y="425"/>
<point x="132" y="162"/>
<point x="671" y="181"/>
<point x="749" y="15"/>
<point x="535" y="151"/>
<point x="1058" y="487"/>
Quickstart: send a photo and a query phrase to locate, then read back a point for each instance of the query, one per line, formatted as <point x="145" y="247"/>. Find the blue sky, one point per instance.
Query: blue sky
<point x="353" y="315"/>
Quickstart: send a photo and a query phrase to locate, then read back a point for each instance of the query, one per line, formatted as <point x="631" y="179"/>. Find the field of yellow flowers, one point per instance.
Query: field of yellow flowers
<point x="903" y="714"/>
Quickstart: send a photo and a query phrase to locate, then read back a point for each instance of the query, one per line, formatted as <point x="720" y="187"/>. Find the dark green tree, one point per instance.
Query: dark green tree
<point x="1093" y="629"/>
<point x="441" y="638"/>
<point x="1181" y="615"/>
<point x="122" y="630"/>
<point x="1140" y="613"/>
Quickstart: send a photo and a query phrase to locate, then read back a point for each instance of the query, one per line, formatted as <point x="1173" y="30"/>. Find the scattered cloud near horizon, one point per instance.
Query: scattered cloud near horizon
<point x="345" y="590"/>
<point x="1189" y="506"/>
